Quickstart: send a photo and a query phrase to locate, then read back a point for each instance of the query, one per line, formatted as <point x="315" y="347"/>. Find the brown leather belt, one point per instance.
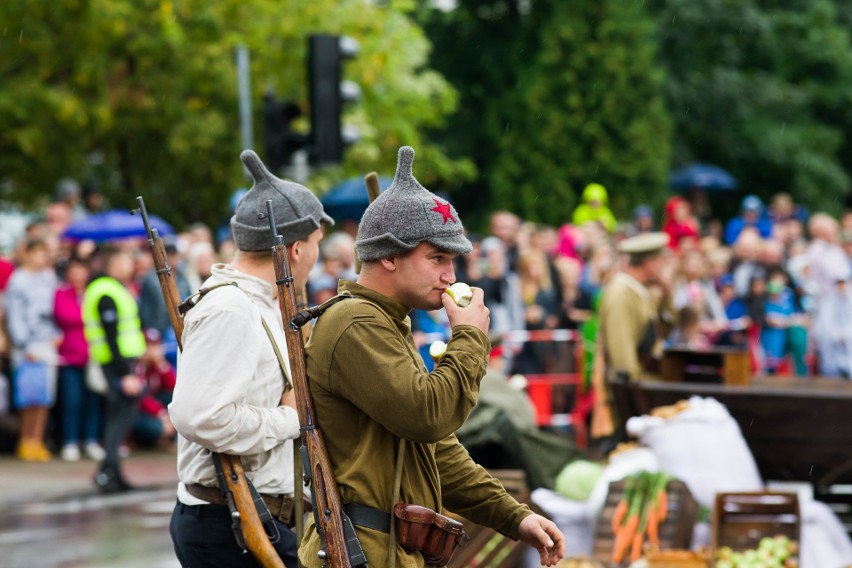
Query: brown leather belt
<point x="280" y="506"/>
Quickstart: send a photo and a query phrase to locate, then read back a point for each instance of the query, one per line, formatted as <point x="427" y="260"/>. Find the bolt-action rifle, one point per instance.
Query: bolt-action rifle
<point x="254" y="531"/>
<point x="340" y="546"/>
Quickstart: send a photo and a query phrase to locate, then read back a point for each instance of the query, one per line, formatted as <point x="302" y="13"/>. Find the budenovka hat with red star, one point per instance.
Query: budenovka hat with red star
<point x="407" y="214"/>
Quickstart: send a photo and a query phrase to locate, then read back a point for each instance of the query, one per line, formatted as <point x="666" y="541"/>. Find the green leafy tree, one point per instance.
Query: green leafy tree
<point x="478" y="48"/>
<point x="142" y="95"/>
<point x="588" y="107"/>
<point x="554" y="97"/>
<point x="761" y="88"/>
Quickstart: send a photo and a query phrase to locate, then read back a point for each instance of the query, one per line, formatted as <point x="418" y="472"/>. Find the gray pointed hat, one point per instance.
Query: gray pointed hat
<point x="298" y="212"/>
<point x="407" y="214"/>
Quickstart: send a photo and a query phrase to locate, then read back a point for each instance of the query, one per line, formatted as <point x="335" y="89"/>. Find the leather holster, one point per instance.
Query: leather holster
<point x="432" y="534"/>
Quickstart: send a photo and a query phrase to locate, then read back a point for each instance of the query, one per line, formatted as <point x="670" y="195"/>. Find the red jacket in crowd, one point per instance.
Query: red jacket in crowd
<point x="679" y="222"/>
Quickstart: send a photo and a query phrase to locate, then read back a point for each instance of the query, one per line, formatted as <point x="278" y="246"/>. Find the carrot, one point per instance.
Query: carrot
<point x="636" y="548"/>
<point x="653" y="527"/>
<point x="618" y="515"/>
<point x="624" y="535"/>
<point x="624" y="538"/>
<point x="636" y="544"/>
<point x="621" y="509"/>
<point x="663" y="499"/>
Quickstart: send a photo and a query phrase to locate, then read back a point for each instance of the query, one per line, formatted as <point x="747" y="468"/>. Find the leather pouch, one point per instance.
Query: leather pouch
<point x="432" y="534"/>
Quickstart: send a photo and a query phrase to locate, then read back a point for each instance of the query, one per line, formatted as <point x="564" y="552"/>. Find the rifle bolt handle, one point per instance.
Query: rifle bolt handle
<point x="235" y="515"/>
<point x="322" y="555"/>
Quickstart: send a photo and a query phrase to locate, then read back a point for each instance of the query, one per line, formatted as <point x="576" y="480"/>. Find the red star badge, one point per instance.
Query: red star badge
<point x="443" y="209"/>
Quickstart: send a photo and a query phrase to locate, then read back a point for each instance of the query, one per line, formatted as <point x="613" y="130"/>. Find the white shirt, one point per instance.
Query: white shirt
<point x="229" y="385"/>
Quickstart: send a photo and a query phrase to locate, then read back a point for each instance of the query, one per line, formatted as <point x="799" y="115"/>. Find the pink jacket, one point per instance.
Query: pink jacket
<point x="73" y="351"/>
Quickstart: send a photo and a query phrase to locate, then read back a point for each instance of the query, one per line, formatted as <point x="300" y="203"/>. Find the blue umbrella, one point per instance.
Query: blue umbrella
<point x="113" y="225"/>
<point x="349" y="199"/>
<point x="702" y="176"/>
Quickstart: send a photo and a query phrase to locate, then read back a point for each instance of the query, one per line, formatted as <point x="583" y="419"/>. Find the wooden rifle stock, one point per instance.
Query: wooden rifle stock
<point x="373" y="187"/>
<point x="328" y="512"/>
<point x="254" y="535"/>
<point x="371" y="180"/>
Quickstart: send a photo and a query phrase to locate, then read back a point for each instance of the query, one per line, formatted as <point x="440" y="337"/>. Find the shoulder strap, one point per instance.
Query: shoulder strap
<point x="278" y="354"/>
<point x="397" y="482"/>
<point x="193" y="299"/>
<point x="306" y="315"/>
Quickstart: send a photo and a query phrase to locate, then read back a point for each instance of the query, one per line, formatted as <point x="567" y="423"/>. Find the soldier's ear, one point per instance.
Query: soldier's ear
<point x="389" y="263"/>
<point x="295" y="251"/>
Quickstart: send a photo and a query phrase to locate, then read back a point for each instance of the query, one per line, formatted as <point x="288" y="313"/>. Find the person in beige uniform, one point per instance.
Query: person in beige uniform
<point x="371" y="388"/>
<point x="627" y="311"/>
<point x="231" y="394"/>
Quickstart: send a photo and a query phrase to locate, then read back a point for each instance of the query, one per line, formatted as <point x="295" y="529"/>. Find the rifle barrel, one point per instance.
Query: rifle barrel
<point x="327" y="508"/>
<point x="253" y="531"/>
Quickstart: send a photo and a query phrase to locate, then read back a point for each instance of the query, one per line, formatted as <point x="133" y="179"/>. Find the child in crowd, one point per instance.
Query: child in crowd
<point x="34" y="337"/>
<point x="152" y="426"/>
<point x="79" y="407"/>
<point x="687" y="332"/>
<point x="736" y="312"/>
<point x="679" y="223"/>
<point x="780" y="313"/>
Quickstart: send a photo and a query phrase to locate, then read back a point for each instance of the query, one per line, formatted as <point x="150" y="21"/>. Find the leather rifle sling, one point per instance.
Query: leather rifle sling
<point x="298" y="489"/>
<point x="397" y="482"/>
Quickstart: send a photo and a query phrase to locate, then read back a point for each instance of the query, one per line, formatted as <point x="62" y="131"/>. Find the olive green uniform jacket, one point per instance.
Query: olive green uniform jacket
<point x="370" y="387"/>
<point x="626" y="326"/>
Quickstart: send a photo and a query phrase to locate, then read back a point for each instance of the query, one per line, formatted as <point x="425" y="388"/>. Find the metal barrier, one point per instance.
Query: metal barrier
<point x="558" y="393"/>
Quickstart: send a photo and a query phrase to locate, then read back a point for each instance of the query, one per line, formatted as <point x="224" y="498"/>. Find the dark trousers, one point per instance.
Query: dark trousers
<point x="80" y="408"/>
<point x="202" y="536"/>
<point x="121" y="413"/>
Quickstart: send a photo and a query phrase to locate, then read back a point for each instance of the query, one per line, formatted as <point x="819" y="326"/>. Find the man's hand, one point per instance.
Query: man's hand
<point x="288" y="398"/>
<point x="168" y="428"/>
<point x="543" y="535"/>
<point x="475" y="313"/>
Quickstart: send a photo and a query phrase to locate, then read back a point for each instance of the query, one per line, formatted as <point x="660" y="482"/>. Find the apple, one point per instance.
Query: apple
<point x="460" y="293"/>
<point x="437" y="350"/>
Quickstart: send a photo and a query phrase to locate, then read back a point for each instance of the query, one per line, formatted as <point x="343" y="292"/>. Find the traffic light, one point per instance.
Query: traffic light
<point x="279" y="142"/>
<point x="328" y="93"/>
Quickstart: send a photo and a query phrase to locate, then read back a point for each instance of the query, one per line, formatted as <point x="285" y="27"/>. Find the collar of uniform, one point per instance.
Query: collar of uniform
<point x="637" y="286"/>
<point x="395" y="309"/>
<point x="252" y="285"/>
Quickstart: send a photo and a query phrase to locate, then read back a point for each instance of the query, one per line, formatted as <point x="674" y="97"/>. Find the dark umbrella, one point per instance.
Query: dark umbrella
<point x="113" y="225"/>
<point x="349" y="199"/>
<point x="702" y="176"/>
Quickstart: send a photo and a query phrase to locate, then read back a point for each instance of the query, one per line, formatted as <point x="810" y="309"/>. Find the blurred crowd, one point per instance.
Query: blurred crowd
<point x="773" y="280"/>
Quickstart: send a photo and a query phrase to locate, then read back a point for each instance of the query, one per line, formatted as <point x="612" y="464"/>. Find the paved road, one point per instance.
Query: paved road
<point x="51" y="516"/>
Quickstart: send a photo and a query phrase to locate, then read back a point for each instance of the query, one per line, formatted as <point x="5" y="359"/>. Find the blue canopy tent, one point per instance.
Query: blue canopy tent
<point x="349" y="198"/>
<point x="113" y="225"/>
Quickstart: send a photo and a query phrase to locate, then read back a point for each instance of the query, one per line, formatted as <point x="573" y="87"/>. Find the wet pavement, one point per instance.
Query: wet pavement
<point x="52" y="516"/>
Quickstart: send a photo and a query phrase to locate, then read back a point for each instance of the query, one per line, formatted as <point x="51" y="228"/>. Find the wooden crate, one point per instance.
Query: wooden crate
<point x="675" y="531"/>
<point x="740" y="520"/>
<point x="727" y="365"/>
<point x="677" y="559"/>
<point x="488" y="548"/>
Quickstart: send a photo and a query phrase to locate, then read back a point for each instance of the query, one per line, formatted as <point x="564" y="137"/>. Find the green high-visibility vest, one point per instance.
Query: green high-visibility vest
<point x="131" y="340"/>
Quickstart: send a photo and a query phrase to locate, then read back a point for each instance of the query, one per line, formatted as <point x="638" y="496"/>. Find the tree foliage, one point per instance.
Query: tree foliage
<point x="761" y="88"/>
<point x="588" y="107"/>
<point x="143" y="97"/>
<point x="554" y="98"/>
